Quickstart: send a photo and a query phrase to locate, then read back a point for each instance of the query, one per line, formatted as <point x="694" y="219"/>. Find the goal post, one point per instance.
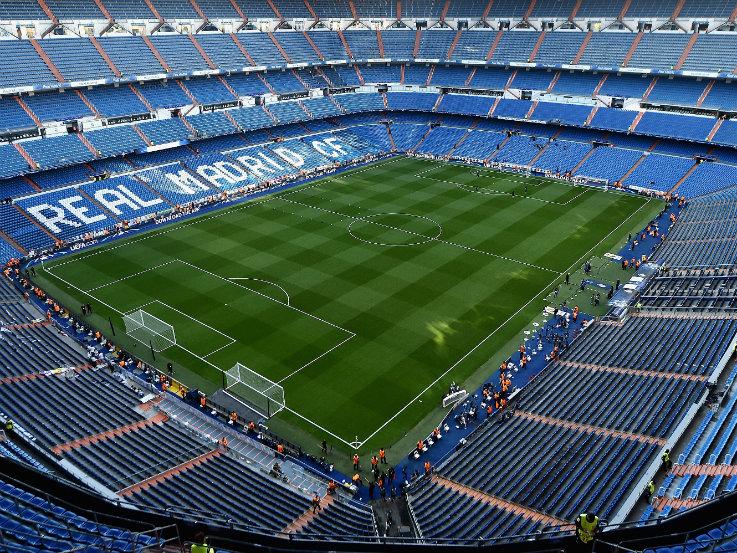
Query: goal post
<point x="149" y="330"/>
<point x="255" y="391"/>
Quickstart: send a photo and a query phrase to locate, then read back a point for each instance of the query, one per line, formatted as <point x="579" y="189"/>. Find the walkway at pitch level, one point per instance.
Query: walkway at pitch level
<point x="647" y="245"/>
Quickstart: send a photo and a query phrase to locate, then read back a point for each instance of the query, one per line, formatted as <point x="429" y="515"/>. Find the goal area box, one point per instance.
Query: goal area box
<point x="149" y="330"/>
<point x="255" y="391"/>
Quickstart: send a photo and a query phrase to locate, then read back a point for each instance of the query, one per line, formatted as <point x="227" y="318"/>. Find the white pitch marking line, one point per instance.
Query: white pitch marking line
<point x="289" y="301"/>
<point x="527" y="179"/>
<point x="491" y="192"/>
<point x="543" y="290"/>
<point x="430" y="239"/>
<point x="267" y="297"/>
<point x="224" y="211"/>
<point x="336" y="346"/>
<point x="130" y="276"/>
<point x="368" y="218"/>
<point x="195" y="320"/>
<point x="313" y="423"/>
<point x="218" y="349"/>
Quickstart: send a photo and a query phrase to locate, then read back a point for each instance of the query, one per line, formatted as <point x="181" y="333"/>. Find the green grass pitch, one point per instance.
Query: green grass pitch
<point x="364" y="294"/>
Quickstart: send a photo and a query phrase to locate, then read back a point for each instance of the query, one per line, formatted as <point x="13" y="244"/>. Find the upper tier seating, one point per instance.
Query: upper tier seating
<point x="223" y="51"/>
<point x="129" y="9"/>
<point x="23" y="10"/>
<point x="179" y="52"/>
<point x="20" y="53"/>
<point x="131" y="55"/>
<point x="73" y="11"/>
<point x="659" y="52"/>
<point x="76" y="59"/>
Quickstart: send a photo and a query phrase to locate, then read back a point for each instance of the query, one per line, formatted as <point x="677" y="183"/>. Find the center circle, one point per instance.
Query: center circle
<point x="395" y="229"/>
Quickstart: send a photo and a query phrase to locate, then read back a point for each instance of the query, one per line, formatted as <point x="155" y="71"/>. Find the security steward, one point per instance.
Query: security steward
<point x="587" y="526"/>
<point x="199" y="545"/>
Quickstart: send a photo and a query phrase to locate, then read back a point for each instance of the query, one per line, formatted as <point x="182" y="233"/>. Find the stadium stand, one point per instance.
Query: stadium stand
<point x="144" y="122"/>
<point x="695" y="244"/>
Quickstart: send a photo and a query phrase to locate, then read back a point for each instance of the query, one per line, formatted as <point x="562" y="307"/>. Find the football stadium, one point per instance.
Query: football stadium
<point x="368" y="275"/>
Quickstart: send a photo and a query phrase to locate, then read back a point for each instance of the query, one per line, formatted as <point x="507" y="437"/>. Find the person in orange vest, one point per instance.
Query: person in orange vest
<point x="428" y="467"/>
<point x="420" y="446"/>
<point x="315" y="503"/>
<point x="356" y="461"/>
<point x="575" y="314"/>
<point x="280" y="449"/>
<point x="203" y="402"/>
<point x="332" y="487"/>
<point x="489" y="410"/>
<point x="382" y="456"/>
<point x="251" y="426"/>
<point x="233" y="417"/>
<point x="164" y="385"/>
<point x="48" y="314"/>
<point x="522" y="350"/>
<point x="436" y="434"/>
<point x="224" y="442"/>
<point x="374" y="462"/>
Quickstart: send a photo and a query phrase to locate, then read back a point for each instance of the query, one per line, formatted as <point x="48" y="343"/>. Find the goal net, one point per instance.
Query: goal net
<point x="149" y="330"/>
<point x="257" y="392"/>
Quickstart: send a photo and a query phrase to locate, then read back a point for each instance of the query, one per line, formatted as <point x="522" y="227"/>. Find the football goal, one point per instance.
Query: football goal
<point x="255" y="391"/>
<point x="149" y="330"/>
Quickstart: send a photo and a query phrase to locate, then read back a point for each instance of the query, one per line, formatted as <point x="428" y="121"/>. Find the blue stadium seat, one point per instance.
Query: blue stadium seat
<point x="12" y="163"/>
<point x="58" y="151"/>
<point x="164" y="131"/>
<point x="118" y="101"/>
<point x="131" y="55"/>
<point x="13" y="116"/>
<point x="115" y="141"/>
<point x="77" y="59"/>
